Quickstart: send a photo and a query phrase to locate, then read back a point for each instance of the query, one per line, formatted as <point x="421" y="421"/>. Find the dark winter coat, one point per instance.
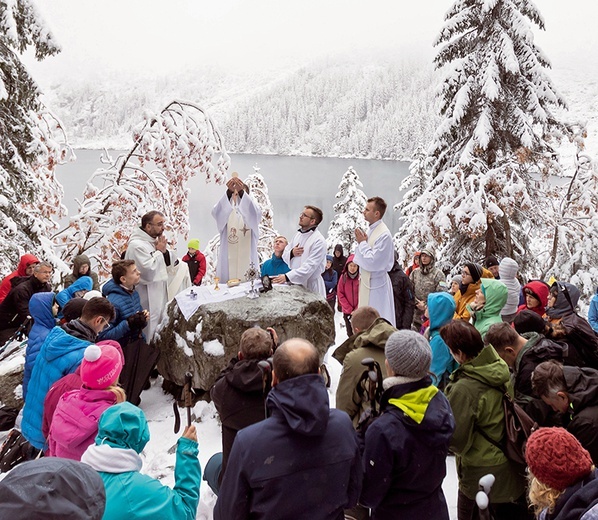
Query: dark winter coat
<point x="52" y="489"/>
<point x="239" y="399"/>
<point x="15" y="307"/>
<point x="582" y="389"/>
<point x="40" y="309"/>
<point x="60" y="354"/>
<point x="301" y="462"/>
<point x="348" y="289"/>
<point x="571" y="327"/>
<point x="405" y="454"/>
<point x="197" y="266"/>
<point x="404" y="296"/>
<point x="578" y="502"/>
<point x="368" y="343"/>
<point x="125" y="304"/>
<point x="78" y="261"/>
<point x="330" y="280"/>
<point x="339" y="262"/>
<point x="475" y="394"/>
<point x="24" y="263"/>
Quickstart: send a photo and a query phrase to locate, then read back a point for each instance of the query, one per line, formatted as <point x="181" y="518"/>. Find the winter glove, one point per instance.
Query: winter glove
<point x="137" y="321"/>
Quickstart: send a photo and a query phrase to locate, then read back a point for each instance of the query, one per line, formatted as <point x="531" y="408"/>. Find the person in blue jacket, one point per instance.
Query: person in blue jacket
<point x="75" y="290"/>
<point x="330" y="281"/>
<point x="593" y="312"/>
<point x="130" y="318"/>
<point x="301" y="462"/>
<point x="60" y="354"/>
<point x="276" y="265"/>
<point x="441" y="309"/>
<point x="122" y="434"/>
<point x="406" y="447"/>
<point x="44" y="320"/>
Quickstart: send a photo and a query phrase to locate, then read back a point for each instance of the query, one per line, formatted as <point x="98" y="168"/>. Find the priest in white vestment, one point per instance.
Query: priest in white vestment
<point x="238" y="219"/>
<point x="375" y="257"/>
<point x="306" y="254"/>
<point x="147" y="247"/>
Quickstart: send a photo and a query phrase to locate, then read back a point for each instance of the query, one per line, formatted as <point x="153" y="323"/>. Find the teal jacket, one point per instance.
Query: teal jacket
<point x="496" y="294"/>
<point x="129" y="494"/>
<point x="441" y="308"/>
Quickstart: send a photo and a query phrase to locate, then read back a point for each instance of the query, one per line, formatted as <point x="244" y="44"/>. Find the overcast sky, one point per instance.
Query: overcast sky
<point x="162" y="36"/>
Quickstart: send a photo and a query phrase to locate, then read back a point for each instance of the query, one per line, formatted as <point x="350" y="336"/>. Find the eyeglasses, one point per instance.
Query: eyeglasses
<point x="304" y="215"/>
<point x="465" y="273"/>
<point x="106" y="323"/>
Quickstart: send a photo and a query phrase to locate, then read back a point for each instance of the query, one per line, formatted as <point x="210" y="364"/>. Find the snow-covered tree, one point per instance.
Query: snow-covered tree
<point x="259" y="191"/>
<point x="567" y="247"/>
<point x="170" y="147"/>
<point x="414" y="186"/>
<point x="348" y="212"/>
<point x="497" y="106"/>
<point x="32" y="142"/>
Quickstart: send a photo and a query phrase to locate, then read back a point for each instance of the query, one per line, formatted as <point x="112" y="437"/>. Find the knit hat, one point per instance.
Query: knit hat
<point x="101" y="366"/>
<point x="92" y="294"/>
<point x="529" y="321"/>
<point x="490" y="261"/>
<point x="457" y="278"/>
<point x="409" y="354"/>
<point x="475" y="270"/>
<point x="329" y="258"/>
<point x="193" y="244"/>
<point x="556" y="458"/>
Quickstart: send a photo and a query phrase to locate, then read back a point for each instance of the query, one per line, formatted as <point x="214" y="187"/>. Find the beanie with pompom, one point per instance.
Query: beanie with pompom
<point x="101" y="366"/>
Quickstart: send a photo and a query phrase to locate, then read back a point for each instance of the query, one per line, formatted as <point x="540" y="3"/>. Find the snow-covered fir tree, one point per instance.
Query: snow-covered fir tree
<point x="32" y="142"/>
<point x="348" y="212"/>
<point x="259" y="191"/>
<point x="497" y="107"/>
<point x="413" y="186"/>
<point x="170" y="147"/>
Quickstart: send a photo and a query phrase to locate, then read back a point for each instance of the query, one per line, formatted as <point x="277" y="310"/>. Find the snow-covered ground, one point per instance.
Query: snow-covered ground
<point x="159" y="454"/>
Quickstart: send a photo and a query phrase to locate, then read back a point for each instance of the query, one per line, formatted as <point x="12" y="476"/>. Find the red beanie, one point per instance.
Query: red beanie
<point x="556" y="458"/>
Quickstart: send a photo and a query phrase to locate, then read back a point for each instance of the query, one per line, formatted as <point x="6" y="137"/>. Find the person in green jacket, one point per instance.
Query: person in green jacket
<point x="490" y="298"/>
<point x="122" y="434"/>
<point x="475" y="394"/>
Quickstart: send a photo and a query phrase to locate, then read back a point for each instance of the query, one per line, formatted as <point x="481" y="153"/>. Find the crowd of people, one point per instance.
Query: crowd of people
<point x="428" y="360"/>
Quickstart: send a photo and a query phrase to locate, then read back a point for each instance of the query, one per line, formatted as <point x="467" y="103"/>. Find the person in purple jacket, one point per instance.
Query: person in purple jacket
<point x="75" y="422"/>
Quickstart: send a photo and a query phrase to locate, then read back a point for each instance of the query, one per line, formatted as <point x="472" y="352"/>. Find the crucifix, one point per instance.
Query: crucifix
<point x="245" y="229"/>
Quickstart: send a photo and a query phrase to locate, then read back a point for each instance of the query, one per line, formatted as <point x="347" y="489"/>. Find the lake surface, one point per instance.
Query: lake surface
<point x="292" y="183"/>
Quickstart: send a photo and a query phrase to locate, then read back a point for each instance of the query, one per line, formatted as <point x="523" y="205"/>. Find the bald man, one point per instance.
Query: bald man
<point x="303" y="459"/>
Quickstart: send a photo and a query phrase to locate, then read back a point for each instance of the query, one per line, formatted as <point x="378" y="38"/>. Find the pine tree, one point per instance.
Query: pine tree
<point x="170" y="147"/>
<point x="414" y="186"/>
<point x="32" y="143"/>
<point x="496" y="103"/>
<point x="267" y="233"/>
<point x="349" y="212"/>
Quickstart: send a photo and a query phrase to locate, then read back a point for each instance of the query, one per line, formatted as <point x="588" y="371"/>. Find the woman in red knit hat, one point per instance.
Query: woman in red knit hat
<point x="563" y="480"/>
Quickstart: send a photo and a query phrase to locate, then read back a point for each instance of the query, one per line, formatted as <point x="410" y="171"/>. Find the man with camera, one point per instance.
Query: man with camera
<point x="303" y="459"/>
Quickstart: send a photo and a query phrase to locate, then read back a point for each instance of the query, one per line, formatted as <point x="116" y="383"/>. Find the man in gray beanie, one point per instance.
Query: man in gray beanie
<point x="406" y="447"/>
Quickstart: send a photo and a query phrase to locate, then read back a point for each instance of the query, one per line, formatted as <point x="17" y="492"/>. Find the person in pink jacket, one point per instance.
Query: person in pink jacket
<point x="75" y="422"/>
<point x="348" y="291"/>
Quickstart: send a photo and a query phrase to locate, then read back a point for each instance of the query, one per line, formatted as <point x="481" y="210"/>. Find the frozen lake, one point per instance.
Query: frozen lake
<point x="292" y="183"/>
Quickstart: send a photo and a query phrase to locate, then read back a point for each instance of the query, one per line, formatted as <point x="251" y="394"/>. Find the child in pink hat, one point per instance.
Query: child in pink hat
<point x="75" y="422"/>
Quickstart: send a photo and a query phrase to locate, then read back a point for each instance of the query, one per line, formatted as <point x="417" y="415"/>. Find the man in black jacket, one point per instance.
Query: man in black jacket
<point x="404" y="296"/>
<point x="15" y="308"/>
<point x="238" y="394"/>
<point x="523" y="353"/>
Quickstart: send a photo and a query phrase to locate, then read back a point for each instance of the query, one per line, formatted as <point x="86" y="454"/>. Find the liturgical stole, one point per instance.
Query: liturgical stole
<point x="239" y="245"/>
<point x="364" y="276"/>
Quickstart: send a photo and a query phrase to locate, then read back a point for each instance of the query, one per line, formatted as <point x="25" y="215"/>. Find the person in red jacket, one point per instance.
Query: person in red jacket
<point x="348" y="291"/>
<point x="25" y="268"/>
<point x="536" y="297"/>
<point x="196" y="261"/>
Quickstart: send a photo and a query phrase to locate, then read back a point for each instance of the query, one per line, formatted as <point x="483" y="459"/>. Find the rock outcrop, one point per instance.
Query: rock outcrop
<point x="206" y="342"/>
